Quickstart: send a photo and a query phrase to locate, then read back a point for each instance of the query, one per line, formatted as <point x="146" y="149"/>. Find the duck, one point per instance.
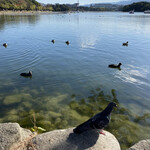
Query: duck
<point x="53" y="41"/>
<point x="67" y="42"/>
<point x="125" y="44"/>
<point x="27" y="74"/>
<point x="115" y="65"/>
<point x="5" y="44"/>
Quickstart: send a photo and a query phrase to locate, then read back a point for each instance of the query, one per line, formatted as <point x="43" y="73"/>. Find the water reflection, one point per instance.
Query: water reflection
<point x="16" y="19"/>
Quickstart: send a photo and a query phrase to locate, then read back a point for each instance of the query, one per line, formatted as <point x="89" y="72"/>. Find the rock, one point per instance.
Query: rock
<point x="11" y="99"/>
<point x="10" y="118"/>
<point x="16" y="98"/>
<point x="141" y="145"/>
<point x="13" y="137"/>
<point x="67" y="140"/>
<point x="11" y="134"/>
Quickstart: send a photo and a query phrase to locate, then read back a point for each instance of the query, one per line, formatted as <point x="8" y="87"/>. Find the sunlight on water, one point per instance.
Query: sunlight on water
<point x="135" y="75"/>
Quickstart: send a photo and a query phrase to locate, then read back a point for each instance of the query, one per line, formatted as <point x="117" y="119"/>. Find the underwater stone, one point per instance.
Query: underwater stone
<point x="27" y="104"/>
<point x="54" y="114"/>
<point x="11" y="99"/>
<point x="16" y="98"/>
<point x="34" y="92"/>
<point x="74" y="115"/>
<point x="45" y="124"/>
<point x="11" y="118"/>
<point x="53" y="102"/>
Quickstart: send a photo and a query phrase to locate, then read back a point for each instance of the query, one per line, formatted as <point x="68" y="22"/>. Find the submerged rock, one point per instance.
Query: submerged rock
<point x="12" y="99"/>
<point x="10" y="118"/>
<point x="16" y="98"/>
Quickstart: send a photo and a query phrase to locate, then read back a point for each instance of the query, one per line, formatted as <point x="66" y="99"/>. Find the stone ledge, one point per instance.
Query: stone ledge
<point x="13" y="137"/>
<point x="141" y="145"/>
<point x="67" y="140"/>
<point x="11" y="134"/>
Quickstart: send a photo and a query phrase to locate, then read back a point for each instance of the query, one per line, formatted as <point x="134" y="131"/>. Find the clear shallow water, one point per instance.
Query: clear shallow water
<point x="64" y="72"/>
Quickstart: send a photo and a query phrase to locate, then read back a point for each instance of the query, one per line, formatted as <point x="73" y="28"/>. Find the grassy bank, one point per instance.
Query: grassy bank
<point x="24" y="12"/>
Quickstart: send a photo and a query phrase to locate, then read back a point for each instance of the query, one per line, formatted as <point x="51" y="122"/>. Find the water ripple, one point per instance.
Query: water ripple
<point x="135" y="75"/>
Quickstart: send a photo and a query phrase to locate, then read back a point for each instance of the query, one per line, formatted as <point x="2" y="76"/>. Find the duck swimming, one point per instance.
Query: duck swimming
<point x="114" y="65"/>
<point x="67" y="42"/>
<point x="125" y="44"/>
<point x="5" y="45"/>
<point x="53" y="41"/>
<point x="27" y="74"/>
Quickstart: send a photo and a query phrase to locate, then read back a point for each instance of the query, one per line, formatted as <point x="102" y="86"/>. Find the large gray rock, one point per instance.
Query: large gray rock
<point x="67" y="140"/>
<point x="141" y="145"/>
<point x="11" y="136"/>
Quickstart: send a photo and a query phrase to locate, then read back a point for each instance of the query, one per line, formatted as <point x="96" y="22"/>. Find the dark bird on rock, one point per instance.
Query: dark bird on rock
<point x="125" y="44"/>
<point x="99" y="121"/>
<point x="5" y="45"/>
<point x="114" y="65"/>
<point x="27" y="74"/>
<point x="53" y="41"/>
<point x="67" y="42"/>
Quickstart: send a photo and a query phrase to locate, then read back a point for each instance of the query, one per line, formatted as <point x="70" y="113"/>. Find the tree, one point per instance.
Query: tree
<point x="139" y="7"/>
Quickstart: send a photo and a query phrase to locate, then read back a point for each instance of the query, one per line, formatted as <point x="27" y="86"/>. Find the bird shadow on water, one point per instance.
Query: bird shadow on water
<point x="79" y="141"/>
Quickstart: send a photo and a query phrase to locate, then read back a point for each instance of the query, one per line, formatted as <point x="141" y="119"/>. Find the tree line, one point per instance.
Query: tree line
<point x="138" y="7"/>
<point x="19" y="5"/>
<point x="31" y="5"/>
<point x="34" y="5"/>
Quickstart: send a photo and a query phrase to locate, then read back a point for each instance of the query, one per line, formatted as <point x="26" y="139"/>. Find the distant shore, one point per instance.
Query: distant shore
<point x="25" y="12"/>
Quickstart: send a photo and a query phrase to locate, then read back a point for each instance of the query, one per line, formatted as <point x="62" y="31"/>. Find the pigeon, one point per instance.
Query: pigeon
<point x="99" y="121"/>
<point x="27" y="74"/>
<point x="114" y="65"/>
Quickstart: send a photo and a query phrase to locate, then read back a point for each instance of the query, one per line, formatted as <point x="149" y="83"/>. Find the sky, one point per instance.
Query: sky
<point x="82" y="2"/>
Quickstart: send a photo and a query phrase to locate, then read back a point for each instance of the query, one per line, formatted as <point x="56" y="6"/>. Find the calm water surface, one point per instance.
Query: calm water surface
<point x="62" y="72"/>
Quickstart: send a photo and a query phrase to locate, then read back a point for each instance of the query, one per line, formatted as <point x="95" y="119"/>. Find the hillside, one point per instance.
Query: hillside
<point x="138" y="7"/>
<point x="127" y="2"/>
<point x="19" y="5"/>
<point x="106" y="6"/>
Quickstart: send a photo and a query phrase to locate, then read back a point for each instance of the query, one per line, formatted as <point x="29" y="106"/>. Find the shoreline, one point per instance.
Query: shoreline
<point x="25" y="12"/>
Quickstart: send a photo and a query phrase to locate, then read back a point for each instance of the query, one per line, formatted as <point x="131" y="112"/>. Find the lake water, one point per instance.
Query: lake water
<point x="64" y="73"/>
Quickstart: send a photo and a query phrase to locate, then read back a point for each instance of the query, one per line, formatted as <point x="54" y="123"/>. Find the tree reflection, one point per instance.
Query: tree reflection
<point x="16" y="19"/>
